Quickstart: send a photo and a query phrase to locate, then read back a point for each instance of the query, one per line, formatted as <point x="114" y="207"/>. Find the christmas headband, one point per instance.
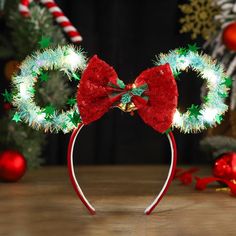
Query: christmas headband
<point x="154" y="95"/>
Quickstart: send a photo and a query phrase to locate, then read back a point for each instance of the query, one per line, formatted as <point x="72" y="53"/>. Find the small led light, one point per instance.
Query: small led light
<point x="75" y="60"/>
<point x="177" y="118"/>
<point x="211" y="76"/>
<point x="23" y="91"/>
<point x="209" y="114"/>
<point x="41" y="117"/>
<point x="183" y="64"/>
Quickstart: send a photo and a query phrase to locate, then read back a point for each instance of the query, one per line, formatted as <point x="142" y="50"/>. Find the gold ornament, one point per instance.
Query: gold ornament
<point x="225" y="189"/>
<point x="129" y="107"/>
<point x="199" y="18"/>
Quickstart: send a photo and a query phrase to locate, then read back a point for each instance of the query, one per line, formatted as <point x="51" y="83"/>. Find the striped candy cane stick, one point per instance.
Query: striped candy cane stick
<point x="24" y="7"/>
<point x="58" y="15"/>
<point x="62" y="20"/>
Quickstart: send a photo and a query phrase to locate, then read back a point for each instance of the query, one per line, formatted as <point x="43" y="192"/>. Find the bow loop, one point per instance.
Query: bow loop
<point x="153" y="94"/>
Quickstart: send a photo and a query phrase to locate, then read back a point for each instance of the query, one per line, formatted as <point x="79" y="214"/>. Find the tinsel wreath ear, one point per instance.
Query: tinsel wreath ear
<point x="211" y="111"/>
<point x="66" y="59"/>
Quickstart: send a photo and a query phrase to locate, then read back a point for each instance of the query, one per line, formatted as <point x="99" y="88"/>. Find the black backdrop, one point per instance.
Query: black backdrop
<point x="127" y="34"/>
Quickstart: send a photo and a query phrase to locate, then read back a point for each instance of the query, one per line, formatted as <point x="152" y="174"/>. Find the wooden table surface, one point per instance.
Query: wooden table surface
<point x="44" y="203"/>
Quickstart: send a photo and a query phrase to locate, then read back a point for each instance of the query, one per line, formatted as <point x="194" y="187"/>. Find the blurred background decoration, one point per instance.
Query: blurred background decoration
<point x="215" y="22"/>
<point x="20" y="38"/>
<point x="128" y="35"/>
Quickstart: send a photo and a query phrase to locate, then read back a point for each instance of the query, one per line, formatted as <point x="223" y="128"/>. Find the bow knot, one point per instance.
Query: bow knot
<point x="125" y="96"/>
<point x="153" y="94"/>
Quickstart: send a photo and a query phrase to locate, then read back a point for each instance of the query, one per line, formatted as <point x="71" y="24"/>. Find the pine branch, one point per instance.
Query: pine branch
<point x="27" y="31"/>
<point x="2" y="4"/>
<point x="6" y="50"/>
<point x="22" y="138"/>
<point x="55" y="91"/>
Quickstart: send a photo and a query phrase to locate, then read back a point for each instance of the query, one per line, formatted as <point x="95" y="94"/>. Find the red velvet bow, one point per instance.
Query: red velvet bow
<point x="154" y="94"/>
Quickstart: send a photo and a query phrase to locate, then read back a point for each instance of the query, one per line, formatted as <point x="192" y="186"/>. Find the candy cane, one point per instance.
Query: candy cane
<point x="24" y="7"/>
<point x="58" y="15"/>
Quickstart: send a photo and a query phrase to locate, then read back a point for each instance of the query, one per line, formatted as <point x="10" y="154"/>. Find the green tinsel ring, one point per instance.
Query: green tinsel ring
<point x="209" y="113"/>
<point x="66" y="59"/>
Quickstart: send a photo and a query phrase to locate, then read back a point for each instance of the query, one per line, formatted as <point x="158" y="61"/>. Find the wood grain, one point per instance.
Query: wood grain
<point x="44" y="203"/>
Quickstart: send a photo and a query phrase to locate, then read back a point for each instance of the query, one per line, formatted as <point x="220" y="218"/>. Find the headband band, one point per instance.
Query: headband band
<point x="80" y="193"/>
<point x="101" y="89"/>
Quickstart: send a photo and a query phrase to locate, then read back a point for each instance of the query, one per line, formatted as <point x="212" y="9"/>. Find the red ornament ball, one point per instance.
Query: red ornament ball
<point x="225" y="166"/>
<point x="12" y="166"/>
<point x="7" y="106"/>
<point x="229" y="36"/>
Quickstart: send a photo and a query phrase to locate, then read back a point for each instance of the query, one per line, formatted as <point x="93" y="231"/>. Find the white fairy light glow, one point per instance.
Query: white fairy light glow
<point x="23" y="91"/>
<point x="183" y="64"/>
<point x="177" y="118"/>
<point x="41" y="117"/>
<point x="74" y="60"/>
<point x="209" y="114"/>
<point x="211" y="76"/>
